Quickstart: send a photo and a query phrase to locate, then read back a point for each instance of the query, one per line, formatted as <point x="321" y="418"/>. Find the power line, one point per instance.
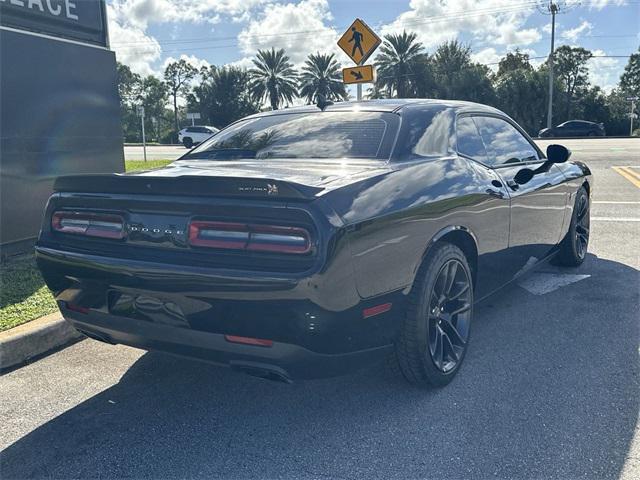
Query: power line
<point x="453" y="15"/>
<point x="424" y="20"/>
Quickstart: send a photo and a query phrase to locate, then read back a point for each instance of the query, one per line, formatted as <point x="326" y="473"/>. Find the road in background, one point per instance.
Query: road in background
<point x="154" y="152"/>
<point x="550" y="389"/>
<point x="593" y="149"/>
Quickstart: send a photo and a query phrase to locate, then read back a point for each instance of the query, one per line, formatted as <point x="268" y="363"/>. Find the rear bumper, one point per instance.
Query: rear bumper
<point x="281" y="361"/>
<point x="316" y="320"/>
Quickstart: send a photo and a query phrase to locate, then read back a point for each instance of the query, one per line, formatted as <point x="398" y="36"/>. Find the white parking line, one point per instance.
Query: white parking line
<point x="605" y="202"/>
<point x="610" y="219"/>
<point x="542" y="283"/>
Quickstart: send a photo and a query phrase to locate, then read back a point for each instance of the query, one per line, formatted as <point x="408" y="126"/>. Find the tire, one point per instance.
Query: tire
<point x="573" y="248"/>
<point x="187" y="142"/>
<point x="420" y="357"/>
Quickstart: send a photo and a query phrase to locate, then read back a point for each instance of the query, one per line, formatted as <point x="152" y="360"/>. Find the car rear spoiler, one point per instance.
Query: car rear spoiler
<point x="186" y="185"/>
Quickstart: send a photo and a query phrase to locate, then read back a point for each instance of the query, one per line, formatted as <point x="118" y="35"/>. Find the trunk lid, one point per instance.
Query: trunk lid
<point x="284" y="179"/>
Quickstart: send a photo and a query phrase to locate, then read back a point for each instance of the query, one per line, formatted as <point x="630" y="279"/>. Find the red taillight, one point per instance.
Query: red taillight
<point x="249" y="341"/>
<point x="253" y="237"/>
<point x="90" y="224"/>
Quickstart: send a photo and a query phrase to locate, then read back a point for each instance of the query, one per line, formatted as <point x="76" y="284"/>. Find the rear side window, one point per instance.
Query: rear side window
<point x="469" y="141"/>
<point x="504" y="143"/>
<point x="428" y="131"/>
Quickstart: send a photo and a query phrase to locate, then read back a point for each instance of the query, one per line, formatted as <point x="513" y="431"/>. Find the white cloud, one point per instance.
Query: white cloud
<point x="575" y="33"/>
<point x="600" y="4"/>
<point x="143" y="12"/>
<point x="604" y="72"/>
<point x="191" y="59"/>
<point x="279" y="26"/>
<point x="129" y="20"/>
<point x="488" y="56"/>
<point x="492" y="21"/>
<point x="132" y="45"/>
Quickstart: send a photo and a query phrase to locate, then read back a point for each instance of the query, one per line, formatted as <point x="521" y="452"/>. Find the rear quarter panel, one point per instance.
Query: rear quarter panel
<point x="392" y="218"/>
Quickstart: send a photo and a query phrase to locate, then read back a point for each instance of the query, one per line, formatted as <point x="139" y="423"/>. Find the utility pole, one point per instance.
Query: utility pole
<point x="632" y="113"/>
<point x="144" y="139"/>
<point x="553" y="8"/>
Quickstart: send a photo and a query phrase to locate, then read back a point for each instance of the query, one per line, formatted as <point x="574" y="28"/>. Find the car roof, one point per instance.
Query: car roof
<point x="579" y="121"/>
<point x="384" y="105"/>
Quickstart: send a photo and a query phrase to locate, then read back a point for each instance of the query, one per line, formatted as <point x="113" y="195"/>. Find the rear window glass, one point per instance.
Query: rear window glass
<point x="304" y="135"/>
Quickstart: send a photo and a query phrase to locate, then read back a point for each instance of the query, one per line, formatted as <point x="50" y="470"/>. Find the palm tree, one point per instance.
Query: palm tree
<point x="396" y="61"/>
<point x="273" y="78"/>
<point x="321" y="76"/>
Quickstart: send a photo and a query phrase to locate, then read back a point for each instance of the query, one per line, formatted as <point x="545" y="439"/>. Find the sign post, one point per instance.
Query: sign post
<point x="193" y="117"/>
<point x="140" y="110"/>
<point x="359" y="42"/>
<point x="632" y="113"/>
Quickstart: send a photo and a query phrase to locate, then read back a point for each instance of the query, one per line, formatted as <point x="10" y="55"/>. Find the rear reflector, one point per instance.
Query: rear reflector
<point x="253" y="237"/>
<point x="89" y="224"/>
<point x="377" y="310"/>
<point x="249" y="341"/>
<point x="77" y="308"/>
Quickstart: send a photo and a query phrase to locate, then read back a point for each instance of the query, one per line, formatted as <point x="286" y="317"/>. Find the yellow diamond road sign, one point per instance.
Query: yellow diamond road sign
<point x="360" y="74"/>
<point x="359" y="42"/>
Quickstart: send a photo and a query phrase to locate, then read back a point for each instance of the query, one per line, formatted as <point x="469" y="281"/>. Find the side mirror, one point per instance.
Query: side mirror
<point x="558" y="153"/>
<point x="523" y="176"/>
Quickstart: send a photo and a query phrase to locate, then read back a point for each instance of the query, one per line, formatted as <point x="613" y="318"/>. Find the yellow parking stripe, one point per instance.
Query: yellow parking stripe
<point x="629" y="174"/>
<point x="632" y="172"/>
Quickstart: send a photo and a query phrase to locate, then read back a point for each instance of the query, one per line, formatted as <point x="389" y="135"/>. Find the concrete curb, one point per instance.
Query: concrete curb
<point x="34" y="338"/>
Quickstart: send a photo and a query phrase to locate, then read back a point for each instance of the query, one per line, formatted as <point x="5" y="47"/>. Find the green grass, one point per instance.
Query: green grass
<point x="133" y="165"/>
<point x="23" y="294"/>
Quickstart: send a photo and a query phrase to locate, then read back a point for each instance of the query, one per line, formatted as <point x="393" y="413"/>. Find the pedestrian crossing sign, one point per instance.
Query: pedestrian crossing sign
<point x="359" y="42"/>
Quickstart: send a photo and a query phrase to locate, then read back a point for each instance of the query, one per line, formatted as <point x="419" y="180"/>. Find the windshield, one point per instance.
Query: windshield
<point x="304" y="135"/>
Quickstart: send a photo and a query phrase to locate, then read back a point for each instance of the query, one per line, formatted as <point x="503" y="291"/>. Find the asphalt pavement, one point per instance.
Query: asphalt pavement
<point x="550" y="389"/>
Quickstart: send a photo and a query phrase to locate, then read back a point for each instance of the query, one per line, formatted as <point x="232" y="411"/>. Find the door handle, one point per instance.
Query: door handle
<point x="495" y="193"/>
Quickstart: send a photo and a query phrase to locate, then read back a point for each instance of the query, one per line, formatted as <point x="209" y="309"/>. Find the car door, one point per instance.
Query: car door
<point x="564" y="129"/>
<point x="537" y="206"/>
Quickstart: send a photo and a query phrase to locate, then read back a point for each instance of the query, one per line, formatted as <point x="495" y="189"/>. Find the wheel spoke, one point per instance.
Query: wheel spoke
<point x="434" y="302"/>
<point x="583" y="238"/>
<point x="448" y="346"/>
<point x="465" y="307"/>
<point x="451" y="272"/>
<point x="438" y="354"/>
<point x="458" y="294"/>
<point x="452" y="332"/>
<point x="582" y="209"/>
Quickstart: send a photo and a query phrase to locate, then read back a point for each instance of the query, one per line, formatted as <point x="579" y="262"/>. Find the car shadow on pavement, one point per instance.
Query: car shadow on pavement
<point x="550" y="389"/>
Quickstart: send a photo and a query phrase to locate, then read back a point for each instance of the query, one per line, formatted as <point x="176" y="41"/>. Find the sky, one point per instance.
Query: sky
<point x="147" y="34"/>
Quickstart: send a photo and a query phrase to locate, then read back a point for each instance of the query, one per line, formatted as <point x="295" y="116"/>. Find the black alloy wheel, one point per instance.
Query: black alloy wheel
<point x="574" y="246"/>
<point x="583" y="222"/>
<point x="449" y="316"/>
<point x="434" y="335"/>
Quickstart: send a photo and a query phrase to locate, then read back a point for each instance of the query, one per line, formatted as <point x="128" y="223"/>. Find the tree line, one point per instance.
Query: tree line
<point x="223" y="94"/>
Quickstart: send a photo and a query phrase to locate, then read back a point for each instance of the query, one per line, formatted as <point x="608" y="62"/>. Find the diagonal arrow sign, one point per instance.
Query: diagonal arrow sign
<point x="356" y="74"/>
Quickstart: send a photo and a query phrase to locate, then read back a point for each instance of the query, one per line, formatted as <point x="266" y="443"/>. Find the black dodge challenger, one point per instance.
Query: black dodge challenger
<point x="304" y="242"/>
